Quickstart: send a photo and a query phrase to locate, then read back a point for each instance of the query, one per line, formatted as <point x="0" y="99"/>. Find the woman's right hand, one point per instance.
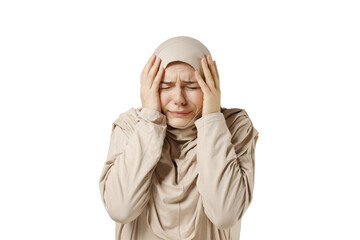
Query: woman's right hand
<point x="150" y="80"/>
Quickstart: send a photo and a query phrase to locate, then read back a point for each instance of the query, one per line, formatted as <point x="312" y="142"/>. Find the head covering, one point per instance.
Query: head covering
<point x="188" y="50"/>
<point x="182" y="48"/>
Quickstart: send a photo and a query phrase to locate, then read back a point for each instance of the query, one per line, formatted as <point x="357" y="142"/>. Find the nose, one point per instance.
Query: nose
<point x="179" y="98"/>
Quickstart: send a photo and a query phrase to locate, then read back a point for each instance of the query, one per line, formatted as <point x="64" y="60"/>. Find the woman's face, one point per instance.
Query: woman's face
<point x="180" y="92"/>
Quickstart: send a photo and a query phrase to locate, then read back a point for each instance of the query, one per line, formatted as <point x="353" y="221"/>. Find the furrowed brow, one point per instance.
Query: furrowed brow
<point x="186" y="82"/>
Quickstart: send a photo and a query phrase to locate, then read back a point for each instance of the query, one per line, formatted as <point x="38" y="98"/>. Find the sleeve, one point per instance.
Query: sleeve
<point x="226" y="162"/>
<point x="125" y="181"/>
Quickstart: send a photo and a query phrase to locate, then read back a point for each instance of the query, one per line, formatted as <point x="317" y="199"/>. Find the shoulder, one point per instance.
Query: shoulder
<point x="135" y="115"/>
<point x="236" y="117"/>
<point x="239" y="122"/>
<point x="243" y="133"/>
<point x="127" y="120"/>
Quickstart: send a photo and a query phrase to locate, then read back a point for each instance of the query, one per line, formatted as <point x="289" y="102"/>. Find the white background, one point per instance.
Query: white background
<point x="69" y="68"/>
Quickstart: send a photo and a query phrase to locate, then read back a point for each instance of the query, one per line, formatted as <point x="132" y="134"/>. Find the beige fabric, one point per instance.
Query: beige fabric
<point x="160" y="182"/>
<point x="184" y="49"/>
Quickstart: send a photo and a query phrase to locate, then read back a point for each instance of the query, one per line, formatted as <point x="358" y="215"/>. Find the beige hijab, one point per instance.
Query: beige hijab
<point x="184" y="49"/>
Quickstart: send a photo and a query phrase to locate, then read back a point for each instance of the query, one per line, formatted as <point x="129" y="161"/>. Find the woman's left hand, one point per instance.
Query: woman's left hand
<point x="210" y="87"/>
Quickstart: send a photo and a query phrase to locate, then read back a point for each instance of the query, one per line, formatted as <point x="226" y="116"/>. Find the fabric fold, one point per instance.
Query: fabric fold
<point x="127" y="175"/>
<point x="198" y="192"/>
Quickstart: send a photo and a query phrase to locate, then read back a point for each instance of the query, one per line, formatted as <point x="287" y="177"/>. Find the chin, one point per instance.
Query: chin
<point x="178" y="123"/>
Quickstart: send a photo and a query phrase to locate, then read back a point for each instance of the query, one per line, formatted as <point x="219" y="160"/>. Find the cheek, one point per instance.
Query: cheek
<point x="197" y="98"/>
<point x="164" y="97"/>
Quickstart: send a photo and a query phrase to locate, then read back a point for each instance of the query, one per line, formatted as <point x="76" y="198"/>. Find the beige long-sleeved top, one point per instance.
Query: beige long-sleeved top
<point x="162" y="183"/>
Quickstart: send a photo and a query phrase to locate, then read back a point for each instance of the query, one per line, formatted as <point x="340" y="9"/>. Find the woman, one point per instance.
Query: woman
<point x="181" y="166"/>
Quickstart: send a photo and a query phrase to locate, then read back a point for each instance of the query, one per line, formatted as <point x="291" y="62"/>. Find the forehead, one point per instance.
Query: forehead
<point x="179" y="70"/>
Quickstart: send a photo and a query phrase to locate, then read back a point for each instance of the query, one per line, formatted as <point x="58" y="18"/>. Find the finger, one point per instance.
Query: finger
<point x="157" y="79"/>
<point x="201" y="82"/>
<point x="208" y="77"/>
<point x="213" y="70"/>
<point x="217" y="76"/>
<point x="217" y="73"/>
<point x="148" y="65"/>
<point x="153" y="71"/>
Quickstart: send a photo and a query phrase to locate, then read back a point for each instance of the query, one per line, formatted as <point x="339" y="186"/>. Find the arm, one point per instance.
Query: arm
<point x="125" y="181"/>
<point x="226" y="167"/>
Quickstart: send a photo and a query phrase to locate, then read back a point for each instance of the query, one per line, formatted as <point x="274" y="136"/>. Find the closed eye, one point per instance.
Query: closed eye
<point x="163" y="87"/>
